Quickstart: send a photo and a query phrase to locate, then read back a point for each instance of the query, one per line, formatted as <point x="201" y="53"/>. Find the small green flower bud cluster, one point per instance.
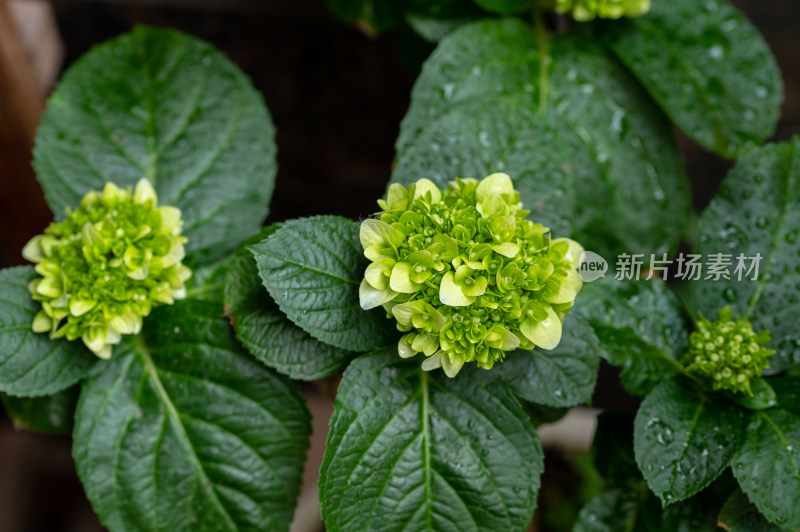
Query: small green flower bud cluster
<point x="465" y="274"/>
<point x="728" y="352"/>
<point x="106" y="265"/>
<point x="583" y="10"/>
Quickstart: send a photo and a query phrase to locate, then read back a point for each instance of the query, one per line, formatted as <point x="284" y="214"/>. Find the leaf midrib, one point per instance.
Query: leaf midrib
<point x="776" y="237"/>
<point x="183" y="436"/>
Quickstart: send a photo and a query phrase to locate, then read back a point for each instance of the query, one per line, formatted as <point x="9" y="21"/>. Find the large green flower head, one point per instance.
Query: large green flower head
<point x="106" y="265"/>
<point x="727" y="352"/>
<point x="583" y="10"/>
<point x="465" y="274"/>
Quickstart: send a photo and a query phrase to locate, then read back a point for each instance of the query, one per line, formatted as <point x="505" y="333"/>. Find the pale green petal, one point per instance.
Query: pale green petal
<point x="404" y="349"/>
<point x="49" y="287"/>
<point x="568" y="288"/>
<point x="432" y="363"/>
<point x="374" y="231"/>
<point x="370" y="297"/>
<point x="377" y="273"/>
<point x="144" y="192"/>
<point x="574" y="252"/>
<point x="95" y="340"/>
<point x="33" y="249"/>
<point x="545" y="334"/>
<point x="424" y="186"/>
<point x="494" y="185"/>
<point x="42" y="322"/>
<point x="450" y="293"/>
<point x="170" y="220"/>
<point x="405" y="311"/>
<point x="78" y="307"/>
<point x="113" y="192"/>
<point x="510" y="341"/>
<point x="400" y="280"/>
<point x="452" y="364"/>
<point x="507" y="249"/>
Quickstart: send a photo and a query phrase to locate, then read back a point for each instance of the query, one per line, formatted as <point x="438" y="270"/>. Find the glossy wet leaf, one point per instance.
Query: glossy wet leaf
<point x="159" y="104"/>
<point x="31" y="363"/>
<point x="184" y="431"/>
<point x="640" y="326"/>
<point x="565" y="376"/>
<point x="767" y="465"/>
<point x="683" y="439"/>
<point x="709" y="69"/>
<point x="266" y="332"/>
<point x="410" y="450"/>
<point x="613" y="511"/>
<point x="312" y="268"/>
<point x="740" y="515"/>
<point x="592" y="156"/>
<point x="51" y="414"/>
<point x="755" y="213"/>
<point x="787" y="391"/>
<point x="763" y="396"/>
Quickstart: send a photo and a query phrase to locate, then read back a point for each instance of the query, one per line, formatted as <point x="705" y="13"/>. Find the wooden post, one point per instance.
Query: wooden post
<point x="23" y="212"/>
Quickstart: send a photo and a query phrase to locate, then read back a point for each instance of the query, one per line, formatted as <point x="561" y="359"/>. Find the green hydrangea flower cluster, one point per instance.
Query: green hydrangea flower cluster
<point x="728" y="352"/>
<point x="465" y="274"/>
<point x="106" y="265"/>
<point x="583" y="10"/>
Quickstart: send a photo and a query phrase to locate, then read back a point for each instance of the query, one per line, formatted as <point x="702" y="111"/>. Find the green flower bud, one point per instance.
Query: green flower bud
<point x="463" y="272"/>
<point x="583" y="10"/>
<point x="106" y="265"/>
<point x="727" y="352"/>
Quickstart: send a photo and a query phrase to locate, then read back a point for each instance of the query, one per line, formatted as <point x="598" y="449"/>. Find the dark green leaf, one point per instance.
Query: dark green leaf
<point x="763" y="396"/>
<point x="410" y="450"/>
<point x="740" y="515"/>
<point x="755" y="213"/>
<point x="159" y="104"/>
<point x="51" y="414"/>
<point x="708" y="67"/>
<point x="612" y="450"/>
<point x="31" y="364"/>
<point x="609" y="175"/>
<point x="787" y="390"/>
<point x="504" y="7"/>
<point x="541" y="414"/>
<point x="565" y="376"/>
<point x="613" y="511"/>
<point x="640" y="326"/>
<point x="266" y="332"/>
<point x="683" y="439"/>
<point x="312" y="268"/>
<point x="767" y="465"/>
<point x="183" y="431"/>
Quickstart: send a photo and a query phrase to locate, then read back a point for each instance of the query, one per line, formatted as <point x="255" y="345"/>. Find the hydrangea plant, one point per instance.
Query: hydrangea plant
<point x="193" y="417"/>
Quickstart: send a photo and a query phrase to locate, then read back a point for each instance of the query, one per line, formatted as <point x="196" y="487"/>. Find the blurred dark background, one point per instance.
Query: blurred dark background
<point x="337" y="98"/>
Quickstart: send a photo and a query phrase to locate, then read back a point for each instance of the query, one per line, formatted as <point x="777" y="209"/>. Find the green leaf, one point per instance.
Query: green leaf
<point x="51" y="414"/>
<point x="767" y="465"/>
<point x="312" y="268"/>
<point x="608" y="175"/>
<point x="740" y="515"/>
<point x="640" y="326"/>
<point x="708" y="67"/>
<point x="183" y="431"/>
<point x="409" y="450"/>
<point x="755" y="212"/>
<point x="763" y="396"/>
<point x="433" y="20"/>
<point x="159" y="104"/>
<point x="503" y="7"/>
<point x="613" y="511"/>
<point x="266" y="332"/>
<point x="565" y="376"/>
<point x="683" y="439"/>
<point x="787" y="391"/>
<point x="31" y="363"/>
